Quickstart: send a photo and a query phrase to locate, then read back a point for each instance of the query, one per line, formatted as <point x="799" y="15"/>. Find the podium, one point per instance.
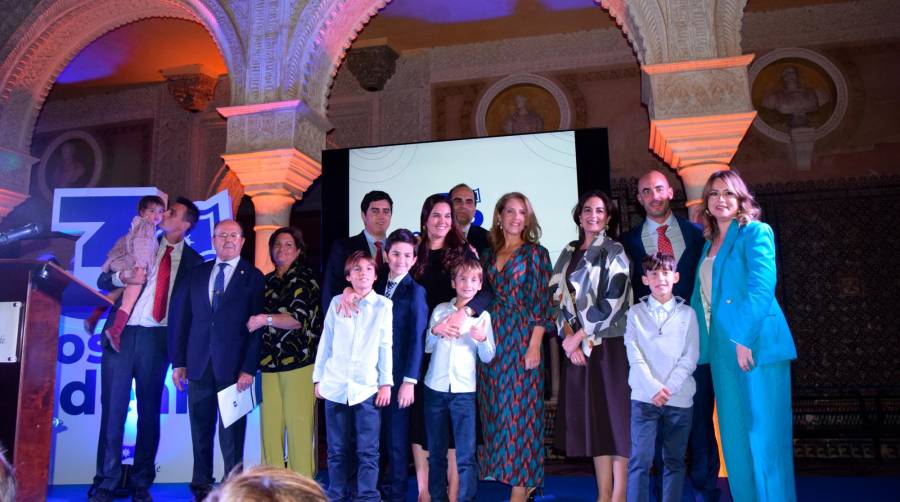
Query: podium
<point x="40" y="289"/>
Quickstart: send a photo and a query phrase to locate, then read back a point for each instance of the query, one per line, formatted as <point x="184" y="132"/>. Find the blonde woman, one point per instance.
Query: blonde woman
<point x="511" y="386"/>
<point x="746" y="341"/>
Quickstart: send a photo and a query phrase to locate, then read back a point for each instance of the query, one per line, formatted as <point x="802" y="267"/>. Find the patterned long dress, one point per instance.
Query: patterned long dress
<point x="512" y="406"/>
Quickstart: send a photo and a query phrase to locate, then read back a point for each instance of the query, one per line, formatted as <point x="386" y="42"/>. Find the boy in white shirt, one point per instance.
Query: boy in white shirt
<point x="353" y="374"/>
<point x="662" y="341"/>
<point x="450" y="385"/>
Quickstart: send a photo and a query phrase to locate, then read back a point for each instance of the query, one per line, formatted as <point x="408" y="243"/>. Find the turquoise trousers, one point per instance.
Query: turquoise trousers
<point x="755" y="422"/>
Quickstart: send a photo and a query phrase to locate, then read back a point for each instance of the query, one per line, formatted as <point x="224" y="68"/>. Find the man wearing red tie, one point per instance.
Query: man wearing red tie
<point x="144" y="357"/>
<point x="664" y="232"/>
<point x="376" y="211"/>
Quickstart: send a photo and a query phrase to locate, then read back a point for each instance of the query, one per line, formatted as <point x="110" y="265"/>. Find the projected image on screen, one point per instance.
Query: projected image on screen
<point x="542" y="166"/>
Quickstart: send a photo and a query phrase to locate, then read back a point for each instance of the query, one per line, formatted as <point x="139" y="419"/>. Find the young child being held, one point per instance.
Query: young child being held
<point x="353" y="374"/>
<point x="450" y="385"/>
<point x="135" y="250"/>
<point x="663" y="346"/>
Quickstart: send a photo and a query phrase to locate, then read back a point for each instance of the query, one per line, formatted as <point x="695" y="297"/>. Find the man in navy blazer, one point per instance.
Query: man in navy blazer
<point x="686" y="239"/>
<point x="376" y="210"/>
<point x="214" y="350"/>
<point x="410" y="320"/>
<point x="464" y="203"/>
<point x="143" y="357"/>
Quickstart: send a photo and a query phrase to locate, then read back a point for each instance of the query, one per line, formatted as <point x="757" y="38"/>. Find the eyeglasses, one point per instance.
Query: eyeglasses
<point x="224" y="235"/>
<point x="728" y="194"/>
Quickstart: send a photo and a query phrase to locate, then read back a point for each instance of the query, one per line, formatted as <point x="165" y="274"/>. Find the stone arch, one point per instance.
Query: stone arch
<point x="320" y="41"/>
<point x="57" y="30"/>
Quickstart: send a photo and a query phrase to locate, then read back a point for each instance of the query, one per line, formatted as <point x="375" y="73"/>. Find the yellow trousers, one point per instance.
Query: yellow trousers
<point x="289" y="409"/>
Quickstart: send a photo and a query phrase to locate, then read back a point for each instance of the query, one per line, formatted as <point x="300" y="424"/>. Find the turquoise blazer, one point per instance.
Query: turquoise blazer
<point x="744" y="309"/>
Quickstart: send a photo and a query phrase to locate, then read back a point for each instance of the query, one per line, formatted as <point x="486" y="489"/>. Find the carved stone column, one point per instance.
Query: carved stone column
<point x="263" y="152"/>
<point x="15" y="176"/>
<point x="699" y="113"/>
<point x="694" y="81"/>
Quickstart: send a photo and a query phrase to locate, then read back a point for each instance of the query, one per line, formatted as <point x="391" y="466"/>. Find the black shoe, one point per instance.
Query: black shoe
<point x="101" y="495"/>
<point x="200" y="492"/>
<point x="141" y="495"/>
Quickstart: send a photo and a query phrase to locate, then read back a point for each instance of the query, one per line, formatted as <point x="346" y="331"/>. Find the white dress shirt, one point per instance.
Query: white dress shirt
<point x="650" y="237"/>
<point x="663" y="345"/>
<point x="354" y="356"/>
<point x="452" y="367"/>
<point x="229" y="272"/>
<point x="143" y="308"/>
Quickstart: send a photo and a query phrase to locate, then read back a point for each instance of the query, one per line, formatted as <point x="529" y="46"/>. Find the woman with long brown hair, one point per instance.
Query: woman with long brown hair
<point x="511" y="387"/>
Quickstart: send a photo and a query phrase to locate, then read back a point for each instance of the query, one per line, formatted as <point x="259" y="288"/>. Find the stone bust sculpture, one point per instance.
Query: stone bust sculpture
<point x="795" y="101"/>
<point x="523" y="120"/>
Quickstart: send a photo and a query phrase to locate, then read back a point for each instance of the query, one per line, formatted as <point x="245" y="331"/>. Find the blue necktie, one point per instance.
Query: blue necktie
<point x="219" y="287"/>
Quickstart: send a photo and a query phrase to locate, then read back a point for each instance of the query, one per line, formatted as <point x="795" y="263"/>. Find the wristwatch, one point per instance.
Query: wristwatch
<point x="268" y="320"/>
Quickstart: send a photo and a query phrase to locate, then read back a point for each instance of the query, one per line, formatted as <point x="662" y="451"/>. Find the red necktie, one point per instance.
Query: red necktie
<point x="160" y="298"/>
<point x="379" y="257"/>
<point x="664" y="245"/>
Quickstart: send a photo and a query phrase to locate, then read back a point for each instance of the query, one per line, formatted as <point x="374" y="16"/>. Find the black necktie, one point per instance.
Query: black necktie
<point x="219" y="287"/>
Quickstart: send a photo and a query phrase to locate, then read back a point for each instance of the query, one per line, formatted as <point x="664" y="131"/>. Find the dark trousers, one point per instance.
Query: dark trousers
<point x="442" y="408"/>
<point x="142" y="358"/>
<point x="203" y="408"/>
<point x="703" y="449"/>
<point x="673" y="426"/>
<point x="344" y="424"/>
<point x="395" y="450"/>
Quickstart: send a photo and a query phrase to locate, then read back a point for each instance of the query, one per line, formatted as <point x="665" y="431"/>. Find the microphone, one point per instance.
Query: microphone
<point x="20" y="233"/>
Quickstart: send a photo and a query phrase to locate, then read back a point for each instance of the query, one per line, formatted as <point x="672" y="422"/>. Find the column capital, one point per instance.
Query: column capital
<point x="284" y="171"/>
<point x="15" y="176"/>
<point x="275" y="125"/>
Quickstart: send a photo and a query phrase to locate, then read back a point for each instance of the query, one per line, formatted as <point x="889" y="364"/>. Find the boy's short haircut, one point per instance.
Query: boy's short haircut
<point x="357" y="257"/>
<point x="466" y="265"/>
<point x="659" y="261"/>
<point x="191" y="212"/>
<point x="150" y="200"/>
<point x="402" y="235"/>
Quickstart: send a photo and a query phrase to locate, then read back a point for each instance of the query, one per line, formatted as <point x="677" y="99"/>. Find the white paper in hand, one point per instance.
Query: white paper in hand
<point x="233" y="404"/>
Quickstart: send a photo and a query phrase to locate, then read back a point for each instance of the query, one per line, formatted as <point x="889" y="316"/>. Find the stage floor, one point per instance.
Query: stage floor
<point x="582" y="489"/>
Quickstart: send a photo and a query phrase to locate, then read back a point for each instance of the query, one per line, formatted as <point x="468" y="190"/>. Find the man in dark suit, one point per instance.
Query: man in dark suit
<point x="663" y="231"/>
<point x="410" y="320"/>
<point x="214" y="350"/>
<point x="376" y="210"/>
<point x="143" y="356"/>
<point x="463" y="198"/>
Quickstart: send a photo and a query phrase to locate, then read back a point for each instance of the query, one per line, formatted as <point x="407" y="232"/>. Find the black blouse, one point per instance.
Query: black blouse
<point x="295" y="293"/>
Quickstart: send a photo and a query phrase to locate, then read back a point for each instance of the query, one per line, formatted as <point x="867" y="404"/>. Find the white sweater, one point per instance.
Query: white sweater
<point x="663" y="347"/>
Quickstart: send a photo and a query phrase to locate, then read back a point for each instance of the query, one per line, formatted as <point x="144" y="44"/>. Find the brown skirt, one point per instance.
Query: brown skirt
<point x="594" y="412"/>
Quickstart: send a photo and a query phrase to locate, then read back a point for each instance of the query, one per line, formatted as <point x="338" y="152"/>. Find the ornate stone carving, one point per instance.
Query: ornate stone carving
<point x="192" y="89"/>
<point x="679" y="30"/>
<point x="372" y="66"/>
<point x="276" y="125"/>
<point x="714" y="86"/>
<point x="274" y="179"/>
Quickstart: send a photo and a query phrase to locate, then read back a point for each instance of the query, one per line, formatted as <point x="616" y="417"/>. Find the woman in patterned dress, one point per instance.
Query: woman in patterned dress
<point x="511" y="387"/>
<point x="287" y="352"/>
<point x="590" y="287"/>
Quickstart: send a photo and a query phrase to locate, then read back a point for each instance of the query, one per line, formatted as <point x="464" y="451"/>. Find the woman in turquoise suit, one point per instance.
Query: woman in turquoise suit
<point x="746" y="340"/>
